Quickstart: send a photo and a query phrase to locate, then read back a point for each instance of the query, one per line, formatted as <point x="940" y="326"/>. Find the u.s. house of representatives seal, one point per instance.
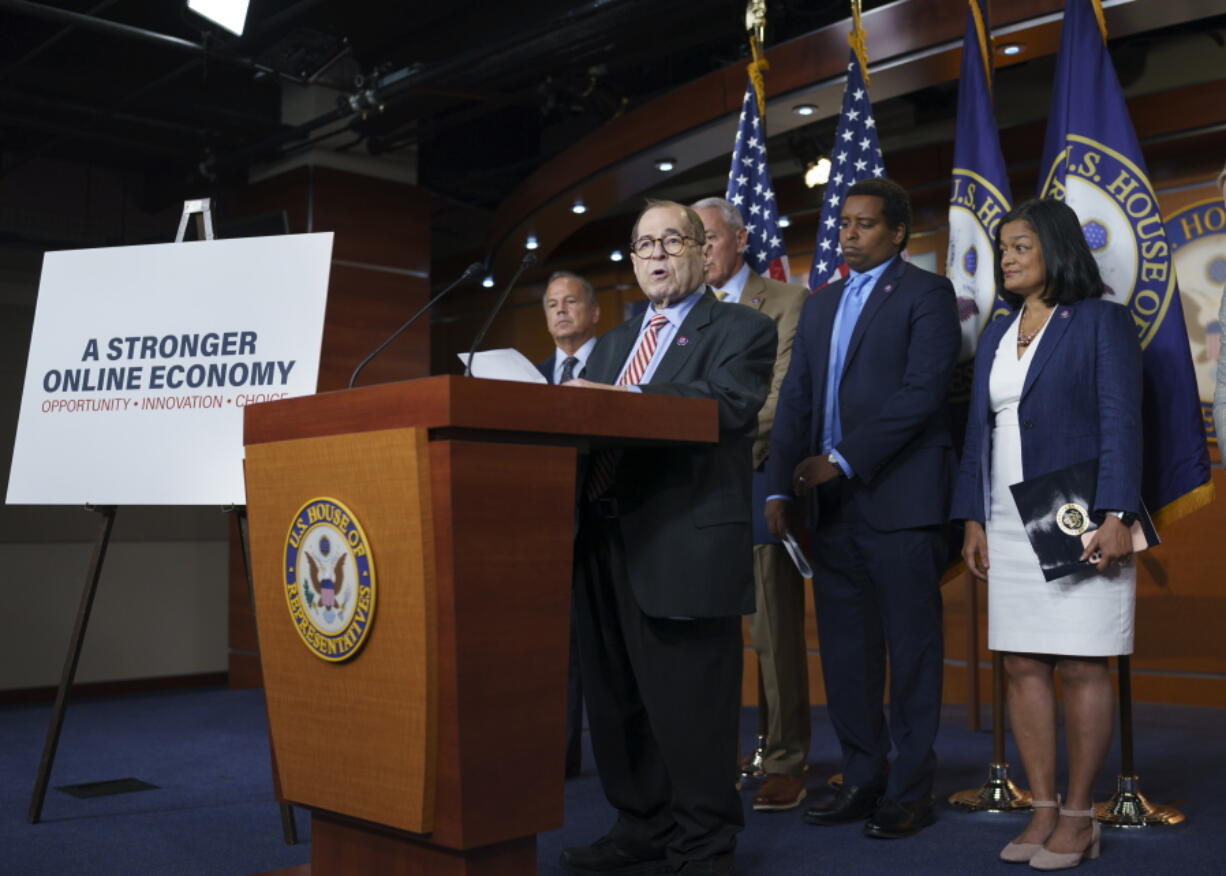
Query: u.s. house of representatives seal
<point x="1122" y="225"/>
<point x="1197" y="234"/>
<point x="329" y="579"/>
<point x="1073" y="519"/>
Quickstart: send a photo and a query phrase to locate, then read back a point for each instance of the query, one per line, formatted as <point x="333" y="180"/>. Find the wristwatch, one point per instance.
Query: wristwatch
<point x="1125" y="517"/>
<point x="834" y="460"/>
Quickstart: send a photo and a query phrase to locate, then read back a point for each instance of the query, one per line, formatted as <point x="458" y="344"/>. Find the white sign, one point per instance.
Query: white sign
<point x="143" y="358"/>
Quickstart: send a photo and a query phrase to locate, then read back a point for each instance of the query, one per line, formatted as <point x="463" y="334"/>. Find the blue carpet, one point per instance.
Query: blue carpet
<point x="213" y="811"/>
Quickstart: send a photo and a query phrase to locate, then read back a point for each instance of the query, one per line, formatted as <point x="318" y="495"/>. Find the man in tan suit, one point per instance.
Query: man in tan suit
<point x="776" y="629"/>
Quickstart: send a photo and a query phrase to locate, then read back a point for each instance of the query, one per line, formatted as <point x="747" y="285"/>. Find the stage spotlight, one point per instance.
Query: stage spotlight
<point x="817" y="173"/>
<point x="230" y="14"/>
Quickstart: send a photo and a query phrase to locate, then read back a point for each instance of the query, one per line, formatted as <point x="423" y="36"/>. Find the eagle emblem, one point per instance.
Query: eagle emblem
<point x="329" y="579"/>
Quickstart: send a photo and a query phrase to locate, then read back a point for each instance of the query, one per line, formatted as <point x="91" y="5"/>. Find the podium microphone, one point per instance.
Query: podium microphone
<point x="528" y="259"/>
<point x="471" y="271"/>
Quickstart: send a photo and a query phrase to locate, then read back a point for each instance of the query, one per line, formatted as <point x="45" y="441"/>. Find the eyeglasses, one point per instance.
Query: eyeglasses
<point x="674" y="245"/>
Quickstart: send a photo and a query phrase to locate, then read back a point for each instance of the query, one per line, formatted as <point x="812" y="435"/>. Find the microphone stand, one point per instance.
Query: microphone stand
<point x="471" y="271"/>
<point x="528" y="259"/>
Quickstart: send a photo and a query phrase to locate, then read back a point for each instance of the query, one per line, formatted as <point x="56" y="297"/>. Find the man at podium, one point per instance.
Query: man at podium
<point x="664" y="557"/>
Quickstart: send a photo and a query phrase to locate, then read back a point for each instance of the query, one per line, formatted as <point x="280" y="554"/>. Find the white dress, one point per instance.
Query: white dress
<point x="1085" y="614"/>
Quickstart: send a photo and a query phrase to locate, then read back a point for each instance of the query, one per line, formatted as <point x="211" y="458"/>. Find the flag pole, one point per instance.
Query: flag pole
<point x="1128" y="807"/>
<point x="979" y="165"/>
<point x="998" y="793"/>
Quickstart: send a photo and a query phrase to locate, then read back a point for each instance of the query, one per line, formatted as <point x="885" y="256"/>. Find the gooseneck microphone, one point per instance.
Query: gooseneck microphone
<point x="528" y="259"/>
<point x="471" y="271"/>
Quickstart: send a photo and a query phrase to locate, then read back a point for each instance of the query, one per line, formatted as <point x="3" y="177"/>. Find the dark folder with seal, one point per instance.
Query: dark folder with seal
<point x="1057" y="510"/>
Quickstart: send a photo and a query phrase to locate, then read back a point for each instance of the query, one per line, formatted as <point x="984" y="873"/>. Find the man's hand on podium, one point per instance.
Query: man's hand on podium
<point x="588" y="384"/>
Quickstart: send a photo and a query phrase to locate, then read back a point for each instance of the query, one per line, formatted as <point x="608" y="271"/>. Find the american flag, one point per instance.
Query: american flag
<point x="855" y="155"/>
<point x="750" y="189"/>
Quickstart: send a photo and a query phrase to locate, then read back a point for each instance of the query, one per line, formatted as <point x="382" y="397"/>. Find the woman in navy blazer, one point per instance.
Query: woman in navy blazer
<point x="1074" y="395"/>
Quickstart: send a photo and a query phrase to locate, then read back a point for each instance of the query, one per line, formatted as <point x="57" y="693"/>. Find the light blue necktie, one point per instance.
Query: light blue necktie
<point x="845" y="323"/>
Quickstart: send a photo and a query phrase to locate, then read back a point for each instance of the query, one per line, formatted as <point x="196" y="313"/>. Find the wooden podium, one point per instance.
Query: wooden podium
<point x="437" y="747"/>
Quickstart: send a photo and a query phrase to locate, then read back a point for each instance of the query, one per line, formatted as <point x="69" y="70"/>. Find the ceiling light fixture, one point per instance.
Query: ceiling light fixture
<point x="616" y="256"/>
<point x="784" y="222"/>
<point x="531" y="242"/>
<point x="817" y="173"/>
<point x="664" y="165"/>
<point x="578" y="208"/>
<point x="805" y="109"/>
<point x="488" y="282"/>
<point x="230" y="14"/>
<point x="1011" y="48"/>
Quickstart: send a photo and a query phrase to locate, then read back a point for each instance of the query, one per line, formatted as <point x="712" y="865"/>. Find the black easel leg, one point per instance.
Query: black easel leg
<point x="70" y="663"/>
<point x="289" y="827"/>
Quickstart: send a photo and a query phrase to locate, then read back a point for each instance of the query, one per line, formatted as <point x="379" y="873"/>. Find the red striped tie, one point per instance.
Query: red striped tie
<point x="604" y="462"/>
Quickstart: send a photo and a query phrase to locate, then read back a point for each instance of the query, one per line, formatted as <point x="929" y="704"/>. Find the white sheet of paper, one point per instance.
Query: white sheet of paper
<point x="504" y="365"/>
<point x="798" y="556"/>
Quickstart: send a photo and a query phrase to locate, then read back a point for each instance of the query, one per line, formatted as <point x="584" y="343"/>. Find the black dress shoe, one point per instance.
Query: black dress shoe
<point x="894" y="820"/>
<point x="851" y="803"/>
<point x="608" y="857"/>
<point x="720" y="865"/>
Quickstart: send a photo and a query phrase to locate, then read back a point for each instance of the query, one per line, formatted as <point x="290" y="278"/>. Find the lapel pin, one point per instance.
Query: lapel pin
<point x="682" y="341"/>
<point x="757" y="301"/>
<point x="889" y="287"/>
<point x="1065" y="313"/>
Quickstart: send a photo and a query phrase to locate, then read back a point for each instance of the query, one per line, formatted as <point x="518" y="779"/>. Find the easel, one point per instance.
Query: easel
<point x="201" y="210"/>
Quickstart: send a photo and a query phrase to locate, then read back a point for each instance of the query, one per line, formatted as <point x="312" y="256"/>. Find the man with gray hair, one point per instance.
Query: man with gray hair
<point x="663" y="557"/>
<point x="571" y="315"/>
<point x="777" y="627"/>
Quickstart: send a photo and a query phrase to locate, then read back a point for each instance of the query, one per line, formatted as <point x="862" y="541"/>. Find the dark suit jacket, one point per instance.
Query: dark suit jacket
<point x="546" y="367"/>
<point x="1081" y="399"/>
<point x="684" y="511"/>
<point x="892" y="397"/>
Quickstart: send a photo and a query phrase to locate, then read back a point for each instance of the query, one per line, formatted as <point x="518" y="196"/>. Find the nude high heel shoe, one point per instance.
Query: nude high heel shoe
<point x="1020" y="853"/>
<point x="1048" y="860"/>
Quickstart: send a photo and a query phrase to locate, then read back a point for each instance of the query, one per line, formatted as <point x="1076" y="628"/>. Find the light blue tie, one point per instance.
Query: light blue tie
<point x="845" y="323"/>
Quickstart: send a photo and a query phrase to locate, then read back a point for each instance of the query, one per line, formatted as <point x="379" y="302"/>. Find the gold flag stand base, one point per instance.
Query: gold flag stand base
<point x="1129" y="808"/>
<point x="998" y="794"/>
<point x="754" y="766"/>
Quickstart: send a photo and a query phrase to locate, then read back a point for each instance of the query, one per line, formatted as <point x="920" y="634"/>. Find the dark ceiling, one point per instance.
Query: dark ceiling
<point x="479" y="93"/>
<point x="476" y="95"/>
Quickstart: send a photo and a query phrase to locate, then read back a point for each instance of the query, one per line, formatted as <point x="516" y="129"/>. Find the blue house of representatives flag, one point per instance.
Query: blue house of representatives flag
<point x="979" y="195"/>
<point x="1093" y="162"/>
<point x="750" y="189"/>
<point x="855" y="155"/>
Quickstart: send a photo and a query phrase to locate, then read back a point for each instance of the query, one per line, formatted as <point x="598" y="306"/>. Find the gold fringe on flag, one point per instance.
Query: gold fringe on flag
<point x="757" y="67"/>
<point x="858" y="39"/>
<point x="985" y="55"/>
<point x="1184" y="505"/>
<point x="1098" y="14"/>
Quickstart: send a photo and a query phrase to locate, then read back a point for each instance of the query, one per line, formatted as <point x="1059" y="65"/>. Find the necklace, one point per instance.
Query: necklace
<point x="1024" y="339"/>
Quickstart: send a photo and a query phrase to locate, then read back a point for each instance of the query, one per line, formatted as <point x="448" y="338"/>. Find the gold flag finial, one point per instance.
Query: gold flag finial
<point x="755" y="23"/>
<point x="755" y="20"/>
<point x="858" y="39"/>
